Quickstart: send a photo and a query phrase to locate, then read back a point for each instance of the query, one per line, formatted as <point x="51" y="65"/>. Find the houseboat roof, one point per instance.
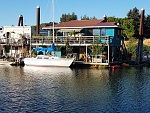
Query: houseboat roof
<point x="80" y="24"/>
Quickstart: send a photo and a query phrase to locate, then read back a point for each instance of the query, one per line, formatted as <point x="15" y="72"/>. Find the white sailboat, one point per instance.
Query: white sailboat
<point x="46" y="60"/>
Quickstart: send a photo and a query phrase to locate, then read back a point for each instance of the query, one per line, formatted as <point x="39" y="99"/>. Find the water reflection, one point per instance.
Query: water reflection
<point x="55" y="89"/>
<point x="129" y="88"/>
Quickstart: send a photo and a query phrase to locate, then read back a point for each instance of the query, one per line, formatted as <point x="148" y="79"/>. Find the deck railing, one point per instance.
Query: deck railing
<point x="48" y="40"/>
<point x="71" y="39"/>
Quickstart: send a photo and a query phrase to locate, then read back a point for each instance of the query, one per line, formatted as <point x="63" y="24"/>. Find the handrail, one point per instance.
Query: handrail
<point x="61" y="40"/>
<point x="71" y="39"/>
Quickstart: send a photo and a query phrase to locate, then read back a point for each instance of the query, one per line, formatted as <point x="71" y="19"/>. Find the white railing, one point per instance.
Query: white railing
<point x="70" y="40"/>
<point x="38" y="40"/>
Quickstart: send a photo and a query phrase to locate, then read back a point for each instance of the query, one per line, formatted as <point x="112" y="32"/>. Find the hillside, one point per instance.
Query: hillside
<point x="145" y="42"/>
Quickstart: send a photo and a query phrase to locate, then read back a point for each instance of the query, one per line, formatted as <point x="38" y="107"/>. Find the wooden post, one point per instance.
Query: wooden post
<point x="107" y="41"/>
<point x="30" y="46"/>
<point x="37" y="20"/>
<point x="86" y="53"/>
<point x="139" y="55"/>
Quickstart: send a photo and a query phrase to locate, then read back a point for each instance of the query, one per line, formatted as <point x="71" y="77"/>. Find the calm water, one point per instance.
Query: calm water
<point x="46" y="90"/>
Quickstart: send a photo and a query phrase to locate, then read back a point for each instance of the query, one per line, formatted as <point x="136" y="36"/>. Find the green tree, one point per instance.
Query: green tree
<point x="85" y="17"/>
<point x="147" y="26"/>
<point x="68" y="48"/>
<point x="134" y="14"/>
<point x="97" y="47"/>
<point x="128" y="25"/>
<point x="111" y="19"/>
<point x="93" y="18"/>
<point x="68" y="17"/>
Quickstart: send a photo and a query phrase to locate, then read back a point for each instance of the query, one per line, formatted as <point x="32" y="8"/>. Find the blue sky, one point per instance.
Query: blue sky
<point x="11" y="9"/>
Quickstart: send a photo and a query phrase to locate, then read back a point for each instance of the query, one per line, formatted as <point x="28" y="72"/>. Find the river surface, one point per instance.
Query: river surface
<point x="53" y="90"/>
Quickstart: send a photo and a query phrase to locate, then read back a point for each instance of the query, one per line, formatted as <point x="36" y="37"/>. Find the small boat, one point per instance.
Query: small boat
<point x="1" y="63"/>
<point x="46" y="60"/>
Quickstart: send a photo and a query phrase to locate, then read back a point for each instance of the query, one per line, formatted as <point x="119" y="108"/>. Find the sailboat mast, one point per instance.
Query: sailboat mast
<point x="53" y="19"/>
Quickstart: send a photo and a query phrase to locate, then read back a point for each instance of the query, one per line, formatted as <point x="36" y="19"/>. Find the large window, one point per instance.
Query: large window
<point x="96" y="32"/>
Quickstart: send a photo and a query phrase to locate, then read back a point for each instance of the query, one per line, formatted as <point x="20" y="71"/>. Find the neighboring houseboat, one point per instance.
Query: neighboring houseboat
<point x="15" y="40"/>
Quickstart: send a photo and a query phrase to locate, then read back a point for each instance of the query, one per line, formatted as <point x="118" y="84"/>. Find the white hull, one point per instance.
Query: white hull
<point x="49" y="61"/>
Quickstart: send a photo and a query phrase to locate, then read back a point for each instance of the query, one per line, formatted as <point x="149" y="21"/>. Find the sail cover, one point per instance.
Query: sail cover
<point x="50" y="49"/>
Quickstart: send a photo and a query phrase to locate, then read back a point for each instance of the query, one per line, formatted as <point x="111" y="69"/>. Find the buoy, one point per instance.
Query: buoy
<point x="113" y="67"/>
<point x="116" y="66"/>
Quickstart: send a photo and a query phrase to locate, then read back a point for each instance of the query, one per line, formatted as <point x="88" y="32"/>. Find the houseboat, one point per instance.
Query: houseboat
<point x="92" y="41"/>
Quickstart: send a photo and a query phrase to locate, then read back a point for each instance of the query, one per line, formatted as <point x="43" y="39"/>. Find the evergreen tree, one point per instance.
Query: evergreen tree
<point x="85" y="17"/>
<point x="147" y="26"/>
<point x="134" y="14"/>
<point x="68" y="17"/>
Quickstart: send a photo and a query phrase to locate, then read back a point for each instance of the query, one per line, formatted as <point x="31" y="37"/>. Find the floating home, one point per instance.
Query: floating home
<point x="91" y="41"/>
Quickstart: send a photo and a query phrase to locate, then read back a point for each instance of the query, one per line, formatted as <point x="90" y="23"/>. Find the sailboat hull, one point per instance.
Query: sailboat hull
<point x="48" y="61"/>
